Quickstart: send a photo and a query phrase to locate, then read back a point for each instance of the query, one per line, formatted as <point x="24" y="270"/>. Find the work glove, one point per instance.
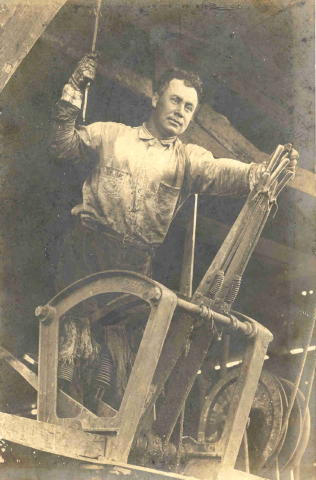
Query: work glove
<point x="293" y="157"/>
<point x="257" y="171"/>
<point x="85" y="71"/>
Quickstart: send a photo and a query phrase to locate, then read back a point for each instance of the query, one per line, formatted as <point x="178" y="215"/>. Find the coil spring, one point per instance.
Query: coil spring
<point x="234" y="289"/>
<point x="66" y="372"/>
<point x="106" y="369"/>
<point x="217" y="284"/>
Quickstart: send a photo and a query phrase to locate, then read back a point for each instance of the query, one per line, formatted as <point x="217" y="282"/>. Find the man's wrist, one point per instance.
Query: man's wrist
<point x="255" y="172"/>
<point x="72" y="95"/>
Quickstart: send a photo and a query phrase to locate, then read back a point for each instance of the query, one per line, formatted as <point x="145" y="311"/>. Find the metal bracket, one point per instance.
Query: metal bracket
<point x="240" y="404"/>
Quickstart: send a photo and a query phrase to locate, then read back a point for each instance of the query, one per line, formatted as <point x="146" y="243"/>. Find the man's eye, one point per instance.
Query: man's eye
<point x="189" y="108"/>
<point x="175" y="99"/>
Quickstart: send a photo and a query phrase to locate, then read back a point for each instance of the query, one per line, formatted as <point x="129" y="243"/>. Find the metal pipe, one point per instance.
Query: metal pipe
<point x="226" y="321"/>
<point x="186" y="279"/>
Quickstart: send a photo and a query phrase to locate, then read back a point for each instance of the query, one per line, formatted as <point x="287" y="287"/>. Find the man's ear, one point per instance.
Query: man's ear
<point x="154" y="100"/>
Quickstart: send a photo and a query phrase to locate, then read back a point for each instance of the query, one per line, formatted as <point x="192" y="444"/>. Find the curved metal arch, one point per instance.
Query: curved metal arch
<point x="108" y="281"/>
<point x="122" y="426"/>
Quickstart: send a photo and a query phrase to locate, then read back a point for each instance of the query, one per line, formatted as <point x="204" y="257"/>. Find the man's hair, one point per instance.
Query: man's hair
<point x="190" y="79"/>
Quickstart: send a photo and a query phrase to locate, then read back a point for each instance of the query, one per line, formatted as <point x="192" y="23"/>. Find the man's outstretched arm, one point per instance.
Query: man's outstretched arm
<point x="225" y="176"/>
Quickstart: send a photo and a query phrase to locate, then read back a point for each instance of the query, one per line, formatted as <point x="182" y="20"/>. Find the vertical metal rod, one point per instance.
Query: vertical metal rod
<point x="297" y="463"/>
<point x="299" y="375"/>
<point x="187" y="270"/>
<point x="94" y="41"/>
<point x="186" y="285"/>
<point x="181" y="422"/>
<point x="277" y="470"/>
<point x="96" y="25"/>
<point x="225" y="353"/>
<point x="310" y="387"/>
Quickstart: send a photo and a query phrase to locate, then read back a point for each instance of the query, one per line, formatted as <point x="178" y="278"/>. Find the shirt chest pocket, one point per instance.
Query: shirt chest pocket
<point x="167" y="198"/>
<point x="114" y="181"/>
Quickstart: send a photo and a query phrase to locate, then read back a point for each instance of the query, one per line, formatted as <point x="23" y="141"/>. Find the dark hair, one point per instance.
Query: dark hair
<point x="191" y="79"/>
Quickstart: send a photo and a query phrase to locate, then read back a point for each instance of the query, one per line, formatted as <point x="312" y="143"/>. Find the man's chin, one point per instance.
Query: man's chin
<point x="173" y="130"/>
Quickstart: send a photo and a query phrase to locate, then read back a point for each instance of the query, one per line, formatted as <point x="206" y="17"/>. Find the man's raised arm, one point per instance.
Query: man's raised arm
<point x="67" y="142"/>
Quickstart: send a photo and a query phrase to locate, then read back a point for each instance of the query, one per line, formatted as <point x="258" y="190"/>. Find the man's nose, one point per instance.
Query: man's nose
<point x="180" y="110"/>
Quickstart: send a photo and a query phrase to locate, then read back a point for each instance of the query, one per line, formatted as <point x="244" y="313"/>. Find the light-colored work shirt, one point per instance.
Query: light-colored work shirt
<point x="138" y="182"/>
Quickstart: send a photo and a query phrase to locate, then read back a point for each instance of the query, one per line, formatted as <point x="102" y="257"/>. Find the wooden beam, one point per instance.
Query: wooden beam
<point x="300" y="264"/>
<point x="220" y="127"/>
<point x="21" y="25"/>
<point x="210" y="129"/>
<point x="241" y="75"/>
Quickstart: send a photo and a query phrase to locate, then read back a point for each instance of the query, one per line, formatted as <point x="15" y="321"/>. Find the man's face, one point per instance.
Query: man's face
<point x="174" y="108"/>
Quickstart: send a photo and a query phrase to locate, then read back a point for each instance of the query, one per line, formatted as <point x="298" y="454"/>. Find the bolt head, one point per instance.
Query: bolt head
<point x="156" y="294"/>
<point x="39" y="311"/>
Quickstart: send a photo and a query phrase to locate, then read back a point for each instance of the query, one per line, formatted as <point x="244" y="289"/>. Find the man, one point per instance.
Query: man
<point x="139" y="177"/>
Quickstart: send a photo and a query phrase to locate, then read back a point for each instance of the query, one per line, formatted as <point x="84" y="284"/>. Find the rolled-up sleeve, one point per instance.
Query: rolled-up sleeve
<point x="221" y="176"/>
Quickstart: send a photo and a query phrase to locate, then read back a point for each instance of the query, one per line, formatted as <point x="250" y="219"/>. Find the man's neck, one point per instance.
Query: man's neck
<point x="154" y="131"/>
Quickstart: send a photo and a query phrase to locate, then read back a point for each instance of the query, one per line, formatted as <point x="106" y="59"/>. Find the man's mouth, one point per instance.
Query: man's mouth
<point x="175" y="122"/>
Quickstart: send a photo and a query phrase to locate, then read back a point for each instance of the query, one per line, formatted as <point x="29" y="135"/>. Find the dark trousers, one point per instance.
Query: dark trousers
<point x="86" y="251"/>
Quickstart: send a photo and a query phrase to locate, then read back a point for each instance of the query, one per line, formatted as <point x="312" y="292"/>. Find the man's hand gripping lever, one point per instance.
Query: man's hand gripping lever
<point x="85" y="72"/>
<point x="278" y="172"/>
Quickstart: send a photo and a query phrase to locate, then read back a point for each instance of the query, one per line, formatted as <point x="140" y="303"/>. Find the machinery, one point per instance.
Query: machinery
<point x="250" y="423"/>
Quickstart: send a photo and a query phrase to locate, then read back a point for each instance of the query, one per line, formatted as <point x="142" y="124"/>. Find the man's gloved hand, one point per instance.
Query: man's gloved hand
<point x="257" y="171"/>
<point x="293" y="157"/>
<point x="85" y="71"/>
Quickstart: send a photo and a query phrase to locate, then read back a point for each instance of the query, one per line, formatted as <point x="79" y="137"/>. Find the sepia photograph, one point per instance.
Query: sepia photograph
<point x="157" y="240"/>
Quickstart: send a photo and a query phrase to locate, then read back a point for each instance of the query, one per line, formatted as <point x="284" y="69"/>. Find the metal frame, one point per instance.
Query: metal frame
<point x="119" y="428"/>
<point x="109" y="438"/>
<point x="225" y="453"/>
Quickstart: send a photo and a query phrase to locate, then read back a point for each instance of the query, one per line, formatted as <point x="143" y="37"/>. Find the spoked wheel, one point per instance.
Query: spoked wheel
<point x="265" y="416"/>
<point x="268" y="437"/>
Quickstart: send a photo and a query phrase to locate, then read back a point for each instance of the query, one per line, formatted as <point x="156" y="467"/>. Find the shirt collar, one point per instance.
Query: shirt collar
<point x="144" y="134"/>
